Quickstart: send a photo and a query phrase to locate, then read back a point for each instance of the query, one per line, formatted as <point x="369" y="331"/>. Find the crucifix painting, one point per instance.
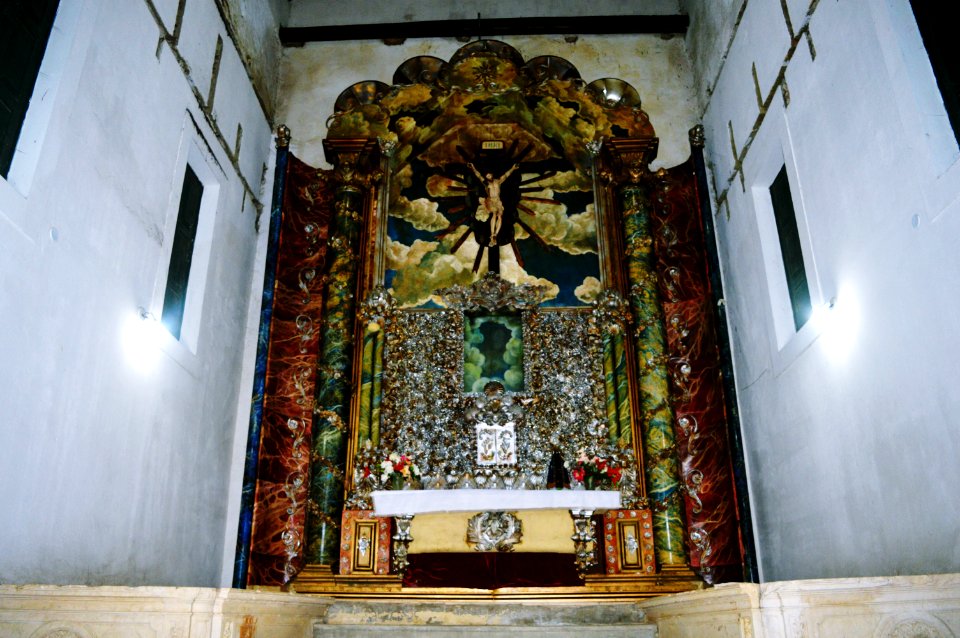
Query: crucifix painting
<point x="491" y="198"/>
<point x="494" y="195"/>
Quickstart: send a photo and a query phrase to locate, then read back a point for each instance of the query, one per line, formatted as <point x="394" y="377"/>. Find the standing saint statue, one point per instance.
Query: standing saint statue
<point x="491" y="204"/>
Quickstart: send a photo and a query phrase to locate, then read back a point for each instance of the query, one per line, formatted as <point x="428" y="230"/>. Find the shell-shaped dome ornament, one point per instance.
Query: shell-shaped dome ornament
<point x="614" y="92"/>
<point x="487" y="49"/>
<point x="550" y="67"/>
<point x="365" y="92"/>
<point x="422" y="69"/>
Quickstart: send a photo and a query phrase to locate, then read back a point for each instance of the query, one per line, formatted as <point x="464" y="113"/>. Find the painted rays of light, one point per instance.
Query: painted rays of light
<point x="422" y="266"/>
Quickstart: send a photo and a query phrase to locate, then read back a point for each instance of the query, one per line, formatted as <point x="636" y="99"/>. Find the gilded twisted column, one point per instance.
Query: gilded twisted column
<point x="659" y="441"/>
<point x="331" y="414"/>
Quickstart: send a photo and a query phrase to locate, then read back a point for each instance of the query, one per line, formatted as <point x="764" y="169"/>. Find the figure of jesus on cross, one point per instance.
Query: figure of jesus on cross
<point x="492" y="204"/>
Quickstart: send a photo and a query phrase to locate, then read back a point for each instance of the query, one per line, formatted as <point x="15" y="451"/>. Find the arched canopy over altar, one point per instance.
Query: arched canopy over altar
<point x="490" y="299"/>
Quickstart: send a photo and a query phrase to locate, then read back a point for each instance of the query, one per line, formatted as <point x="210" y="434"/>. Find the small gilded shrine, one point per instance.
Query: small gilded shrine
<point x="488" y="360"/>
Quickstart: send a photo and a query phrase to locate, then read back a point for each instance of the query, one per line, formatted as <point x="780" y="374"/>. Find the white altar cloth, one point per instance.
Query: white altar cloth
<point x="412" y="502"/>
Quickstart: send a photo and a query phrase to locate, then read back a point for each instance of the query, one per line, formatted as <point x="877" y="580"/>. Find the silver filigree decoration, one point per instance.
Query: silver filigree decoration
<point x="671" y="282"/>
<point x="584" y="540"/>
<point x="304" y="278"/>
<point x="305" y="330"/>
<point x="387" y="147"/>
<point x="700" y="539"/>
<point x="426" y="414"/>
<point x="311" y="232"/>
<point x="677" y="323"/>
<point x="300" y="379"/>
<point x="295" y="490"/>
<point x="496" y="444"/>
<point x="378" y="307"/>
<point x="611" y="308"/>
<point x="401" y="542"/>
<point x="680" y="371"/>
<point x="690" y="427"/>
<point x="494" y="531"/>
<point x="693" y="479"/>
<point x="594" y="146"/>
<point x="491" y="292"/>
<point x="363" y="545"/>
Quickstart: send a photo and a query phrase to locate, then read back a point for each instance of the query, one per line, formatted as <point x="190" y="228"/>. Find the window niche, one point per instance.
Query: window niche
<point x="188" y="244"/>
<point x="938" y="33"/>
<point x="790" y="249"/>
<point x="789" y="264"/>
<point x="181" y="256"/>
<point x="24" y="30"/>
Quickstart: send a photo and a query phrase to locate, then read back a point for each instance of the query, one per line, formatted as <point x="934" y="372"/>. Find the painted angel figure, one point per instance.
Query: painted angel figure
<point x="491" y="204"/>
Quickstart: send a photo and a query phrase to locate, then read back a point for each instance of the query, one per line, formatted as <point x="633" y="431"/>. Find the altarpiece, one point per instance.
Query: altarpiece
<point x="489" y="287"/>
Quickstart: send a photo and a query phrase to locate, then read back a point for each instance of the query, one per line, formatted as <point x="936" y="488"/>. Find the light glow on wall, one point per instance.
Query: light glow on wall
<point x="838" y="322"/>
<point x="142" y="336"/>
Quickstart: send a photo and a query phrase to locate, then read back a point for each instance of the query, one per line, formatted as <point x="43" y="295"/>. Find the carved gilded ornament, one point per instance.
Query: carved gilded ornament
<point x="494" y="531"/>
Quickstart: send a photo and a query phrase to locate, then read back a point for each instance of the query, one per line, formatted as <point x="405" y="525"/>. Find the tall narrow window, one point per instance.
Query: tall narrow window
<point x="790" y="250"/>
<point x="178" y="276"/>
<point x="938" y="31"/>
<point x="24" y="30"/>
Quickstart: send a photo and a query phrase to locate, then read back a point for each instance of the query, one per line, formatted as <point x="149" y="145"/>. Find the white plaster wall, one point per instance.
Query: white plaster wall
<point x="708" y="36"/>
<point x="255" y="25"/>
<point x="113" y="474"/>
<point x="314" y="75"/>
<point x="850" y="426"/>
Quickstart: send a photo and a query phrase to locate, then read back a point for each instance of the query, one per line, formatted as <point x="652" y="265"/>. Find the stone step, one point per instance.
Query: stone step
<point x="362" y="619"/>
<point x="433" y="631"/>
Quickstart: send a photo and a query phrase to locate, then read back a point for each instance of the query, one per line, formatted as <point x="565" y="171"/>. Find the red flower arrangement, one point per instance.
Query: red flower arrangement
<point x="596" y="472"/>
<point x="397" y="468"/>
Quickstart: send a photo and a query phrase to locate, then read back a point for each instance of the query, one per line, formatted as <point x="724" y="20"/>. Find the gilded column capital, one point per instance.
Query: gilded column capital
<point x="632" y="156"/>
<point x="354" y="160"/>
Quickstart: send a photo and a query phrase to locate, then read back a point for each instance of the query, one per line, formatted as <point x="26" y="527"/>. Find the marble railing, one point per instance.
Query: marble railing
<point x="884" y="607"/>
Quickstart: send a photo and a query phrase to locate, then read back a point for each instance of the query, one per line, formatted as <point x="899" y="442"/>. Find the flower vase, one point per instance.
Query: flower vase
<point x="396" y="481"/>
<point x="589" y="482"/>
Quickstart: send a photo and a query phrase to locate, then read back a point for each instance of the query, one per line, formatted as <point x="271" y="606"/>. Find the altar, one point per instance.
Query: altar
<point x="494" y="527"/>
<point x="413" y="502"/>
